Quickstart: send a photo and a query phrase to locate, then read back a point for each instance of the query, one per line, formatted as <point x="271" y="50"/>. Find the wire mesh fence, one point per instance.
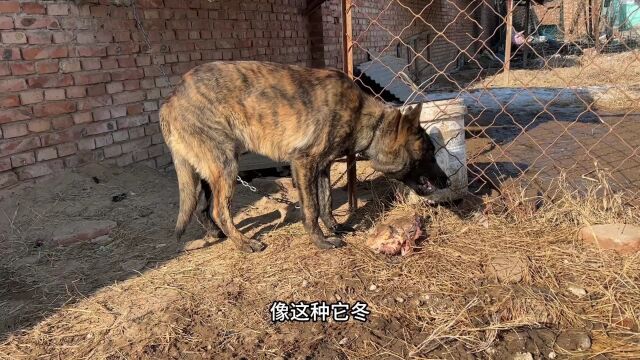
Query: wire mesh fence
<point x="551" y="87"/>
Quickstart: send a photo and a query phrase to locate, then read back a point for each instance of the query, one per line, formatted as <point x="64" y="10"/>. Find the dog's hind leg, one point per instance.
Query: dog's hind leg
<point x="325" y="203"/>
<point x="206" y="215"/>
<point x="188" y="188"/>
<point x="223" y="178"/>
<point x="306" y="175"/>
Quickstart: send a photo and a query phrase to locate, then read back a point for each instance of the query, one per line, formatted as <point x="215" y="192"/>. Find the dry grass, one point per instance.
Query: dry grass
<point x="439" y="303"/>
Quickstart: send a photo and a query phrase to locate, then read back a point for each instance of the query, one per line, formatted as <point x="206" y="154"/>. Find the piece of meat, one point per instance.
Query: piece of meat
<point x="396" y="235"/>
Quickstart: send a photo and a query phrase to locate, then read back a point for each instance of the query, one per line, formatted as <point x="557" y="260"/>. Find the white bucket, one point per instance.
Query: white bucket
<point x="444" y="122"/>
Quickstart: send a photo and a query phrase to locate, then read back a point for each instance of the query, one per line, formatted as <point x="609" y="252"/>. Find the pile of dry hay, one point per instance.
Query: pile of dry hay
<point x="441" y="302"/>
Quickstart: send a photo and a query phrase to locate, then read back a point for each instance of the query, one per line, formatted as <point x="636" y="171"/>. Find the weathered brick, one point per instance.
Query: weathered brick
<point x="11" y="54"/>
<point x="101" y="114"/>
<point x="8" y="178"/>
<point x="120" y="75"/>
<point x="6" y="23"/>
<point x="45" y="154"/>
<point x="23" y="159"/>
<point x="39" y="169"/>
<point x="67" y="149"/>
<point x="118" y="111"/>
<point x="91" y="50"/>
<point x="96" y="90"/>
<point x="31" y="22"/>
<point x="70" y="65"/>
<point x="13" y="37"/>
<point x="124" y="160"/>
<point x="120" y="135"/>
<point x="54" y="94"/>
<point x="63" y="122"/>
<point x="54" y="108"/>
<point x="12" y="85"/>
<point x="46" y="52"/>
<point x="143" y="60"/>
<point x="58" y="9"/>
<point x="155" y="150"/>
<point x="14" y="114"/>
<point x="62" y="37"/>
<point x="99" y="128"/>
<point x="128" y="97"/>
<point x="39" y="37"/>
<point x="109" y="64"/>
<point x="23" y="68"/>
<point x="47" y="66"/>
<point x="94" y="102"/>
<point x="75" y="92"/>
<point x="9" y="7"/>
<point x="31" y="97"/>
<point x="86" y="144"/>
<point x="104" y="140"/>
<point x="10" y="147"/>
<point x="132" y="121"/>
<point x="104" y="36"/>
<point x="163" y="160"/>
<point x="150" y="106"/>
<point x="91" y="64"/>
<point x="5" y="164"/>
<point x="64" y="136"/>
<point x="82" y="117"/>
<point x="115" y="87"/>
<point x="112" y="151"/>
<point x="140" y="155"/>
<point x="130" y="85"/>
<point x="9" y="101"/>
<point x="4" y="69"/>
<point x="14" y="130"/>
<point x="33" y="8"/>
<point x="39" y="125"/>
<point x="136" y="132"/>
<point x="49" y="81"/>
<point x="90" y="78"/>
<point x="126" y="62"/>
<point x="157" y="139"/>
<point x="134" y="109"/>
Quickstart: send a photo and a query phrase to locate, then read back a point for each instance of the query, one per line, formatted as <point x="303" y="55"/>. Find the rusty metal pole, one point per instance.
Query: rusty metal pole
<point x="507" y="41"/>
<point x="347" y="65"/>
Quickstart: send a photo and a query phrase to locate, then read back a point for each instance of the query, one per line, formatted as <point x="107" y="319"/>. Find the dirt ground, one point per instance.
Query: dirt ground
<point x="138" y="295"/>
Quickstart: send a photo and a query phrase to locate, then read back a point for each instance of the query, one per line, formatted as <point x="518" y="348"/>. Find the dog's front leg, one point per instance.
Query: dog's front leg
<point x="306" y="175"/>
<point x="326" y="203"/>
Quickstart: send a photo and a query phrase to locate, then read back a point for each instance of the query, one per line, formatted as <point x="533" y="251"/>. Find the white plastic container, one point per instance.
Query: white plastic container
<point x="444" y="122"/>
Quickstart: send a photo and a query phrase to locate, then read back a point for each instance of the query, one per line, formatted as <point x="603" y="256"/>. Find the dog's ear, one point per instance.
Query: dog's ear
<point x="412" y="117"/>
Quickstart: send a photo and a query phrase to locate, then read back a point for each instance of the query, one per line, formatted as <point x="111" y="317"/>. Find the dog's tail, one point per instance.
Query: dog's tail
<point x="188" y="179"/>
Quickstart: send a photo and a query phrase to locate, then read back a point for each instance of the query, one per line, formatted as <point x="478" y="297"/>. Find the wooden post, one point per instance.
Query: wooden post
<point x="597" y="7"/>
<point x="525" y="55"/>
<point x="347" y="65"/>
<point x="507" y="41"/>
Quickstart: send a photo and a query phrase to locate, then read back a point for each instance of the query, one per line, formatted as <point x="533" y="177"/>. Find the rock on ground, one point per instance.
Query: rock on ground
<point x="80" y="231"/>
<point x="507" y="268"/>
<point x="623" y="238"/>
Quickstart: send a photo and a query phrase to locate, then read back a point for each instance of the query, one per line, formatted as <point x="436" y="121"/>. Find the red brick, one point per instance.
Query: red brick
<point x="63" y="122"/>
<point x="39" y="170"/>
<point x="126" y="62"/>
<point x="70" y="65"/>
<point x="14" y="130"/>
<point x="101" y="114"/>
<point x="132" y="121"/>
<point x="143" y="60"/>
<point x="54" y="94"/>
<point x="94" y="102"/>
<point x="91" y="51"/>
<point x="9" y="101"/>
<point x="91" y="64"/>
<point x="66" y="149"/>
<point x="104" y="36"/>
<point x="123" y="49"/>
<point x="39" y="37"/>
<point x="6" y="23"/>
<point x="46" y="154"/>
<point x="30" y="22"/>
<point x="76" y="92"/>
<point x="10" y="147"/>
<point x="122" y="36"/>
<point x="33" y="8"/>
<point x="57" y="9"/>
<point x="109" y="64"/>
<point x="134" y="109"/>
<point x="60" y="137"/>
<point x="5" y="164"/>
<point x="47" y="66"/>
<point x="39" y="125"/>
<point x="11" y="54"/>
<point x="31" y="97"/>
<point x="115" y="87"/>
<point x="118" y="111"/>
<point x="8" y="178"/>
<point x="4" y="69"/>
<point x="90" y="78"/>
<point x="55" y="108"/>
<point x="96" y="90"/>
<point x="86" y="144"/>
<point x="132" y="85"/>
<point x="62" y="37"/>
<point x="9" y="7"/>
<point x="11" y="85"/>
<point x="100" y="127"/>
<point x="128" y="97"/>
<point x="99" y="11"/>
<point x="19" y="69"/>
<point x="49" y="81"/>
<point x="14" y="38"/>
<point x="46" y="52"/>
<point x="82" y="118"/>
<point x="10" y="115"/>
<point x="23" y="159"/>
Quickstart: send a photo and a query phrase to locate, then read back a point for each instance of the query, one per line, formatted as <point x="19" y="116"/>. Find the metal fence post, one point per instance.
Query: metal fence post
<point x="347" y="65"/>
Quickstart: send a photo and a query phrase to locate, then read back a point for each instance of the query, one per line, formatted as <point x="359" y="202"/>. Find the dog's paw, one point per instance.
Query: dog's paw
<point x="329" y="243"/>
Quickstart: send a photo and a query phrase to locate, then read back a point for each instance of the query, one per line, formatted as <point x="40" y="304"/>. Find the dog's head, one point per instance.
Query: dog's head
<point x="404" y="151"/>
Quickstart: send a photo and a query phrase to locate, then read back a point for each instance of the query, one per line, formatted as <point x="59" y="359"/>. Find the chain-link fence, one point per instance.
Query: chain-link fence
<point x="551" y="87"/>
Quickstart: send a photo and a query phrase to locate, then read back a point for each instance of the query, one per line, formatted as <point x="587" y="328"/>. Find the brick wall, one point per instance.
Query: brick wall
<point x="376" y="23"/>
<point x="77" y="84"/>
